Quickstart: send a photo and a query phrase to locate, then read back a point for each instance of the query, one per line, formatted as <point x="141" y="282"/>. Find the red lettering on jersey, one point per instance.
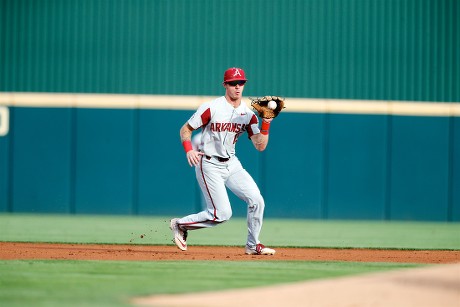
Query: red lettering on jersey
<point x="230" y="127"/>
<point x="239" y="131"/>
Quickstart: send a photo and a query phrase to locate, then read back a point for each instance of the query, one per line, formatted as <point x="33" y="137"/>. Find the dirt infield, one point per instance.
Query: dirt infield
<point x="16" y="250"/>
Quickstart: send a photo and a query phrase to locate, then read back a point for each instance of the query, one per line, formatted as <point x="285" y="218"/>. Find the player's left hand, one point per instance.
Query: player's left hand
<point x="194" y="157"/>
<point x="268" y="106"/>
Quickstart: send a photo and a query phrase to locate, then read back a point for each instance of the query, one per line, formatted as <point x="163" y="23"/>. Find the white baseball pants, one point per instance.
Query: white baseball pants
<point x="213" y="177"/>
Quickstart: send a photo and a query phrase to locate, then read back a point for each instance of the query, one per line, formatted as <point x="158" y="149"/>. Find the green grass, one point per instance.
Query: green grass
<point x="275" y="232"/>
<point x="114" y="283"/>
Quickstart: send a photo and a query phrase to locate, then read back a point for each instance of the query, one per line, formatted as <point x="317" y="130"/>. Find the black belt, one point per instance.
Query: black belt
<point x="218" y="158"/>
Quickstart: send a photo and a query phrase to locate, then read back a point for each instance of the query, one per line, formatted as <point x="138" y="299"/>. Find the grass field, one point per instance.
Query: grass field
<point x="109" y="283"/>
<point x="113" y="283"/>
<point x="275" y="232"/>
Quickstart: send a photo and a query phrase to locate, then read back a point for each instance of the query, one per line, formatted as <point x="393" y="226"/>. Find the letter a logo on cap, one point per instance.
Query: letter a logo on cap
<point x="233" y="74"/>
<point x="237" y="72"/>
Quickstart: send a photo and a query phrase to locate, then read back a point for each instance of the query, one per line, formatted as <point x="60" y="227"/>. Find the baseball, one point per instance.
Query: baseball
<point x="272" y="104"/>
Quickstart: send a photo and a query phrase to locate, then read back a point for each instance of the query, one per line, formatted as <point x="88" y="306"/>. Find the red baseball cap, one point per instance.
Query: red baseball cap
<point x="233" y="74"/>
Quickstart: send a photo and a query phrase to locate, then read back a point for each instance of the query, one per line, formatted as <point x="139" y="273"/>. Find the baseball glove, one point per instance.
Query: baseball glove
<point x="261" y="105"/>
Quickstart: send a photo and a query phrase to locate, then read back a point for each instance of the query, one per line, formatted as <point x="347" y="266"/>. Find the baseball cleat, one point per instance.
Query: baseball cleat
<point x="180" y="236"/>
<point x="259" y="249"/>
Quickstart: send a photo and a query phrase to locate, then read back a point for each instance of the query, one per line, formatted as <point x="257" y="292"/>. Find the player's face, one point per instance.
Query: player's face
<point x="234" y="89"/>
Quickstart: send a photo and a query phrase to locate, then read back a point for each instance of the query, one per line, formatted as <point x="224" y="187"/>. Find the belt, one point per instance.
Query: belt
<point x="220" y="159"/>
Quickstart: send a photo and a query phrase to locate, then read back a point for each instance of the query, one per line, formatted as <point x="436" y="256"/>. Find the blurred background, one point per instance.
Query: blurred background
<point x="74" y="137"/>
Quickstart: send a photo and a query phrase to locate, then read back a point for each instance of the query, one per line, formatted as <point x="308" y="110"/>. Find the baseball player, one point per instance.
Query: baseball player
<point x="223" y="121"/>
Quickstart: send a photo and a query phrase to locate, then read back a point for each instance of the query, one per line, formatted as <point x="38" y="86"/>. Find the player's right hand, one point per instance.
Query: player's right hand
<point x="194" y="157"/>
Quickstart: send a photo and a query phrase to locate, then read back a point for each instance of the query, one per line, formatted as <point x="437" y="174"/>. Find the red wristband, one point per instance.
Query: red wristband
<point x="264" y="127"/>
<point x="187" y="145"/>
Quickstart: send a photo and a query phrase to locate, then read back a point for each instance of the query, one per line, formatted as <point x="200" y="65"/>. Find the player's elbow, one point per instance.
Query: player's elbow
<point x="260" y="141"/>
<point x="261" y="146"/>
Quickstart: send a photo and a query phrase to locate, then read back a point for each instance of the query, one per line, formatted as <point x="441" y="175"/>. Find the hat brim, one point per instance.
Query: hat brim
<point x="235" y="79"/>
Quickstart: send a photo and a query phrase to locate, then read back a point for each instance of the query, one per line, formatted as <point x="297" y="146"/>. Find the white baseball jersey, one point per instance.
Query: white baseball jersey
<point x="222" y="125"/>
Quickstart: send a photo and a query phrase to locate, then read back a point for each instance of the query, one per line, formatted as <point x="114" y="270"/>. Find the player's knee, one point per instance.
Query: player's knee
<point x="258" y="199"/>
<point x="257" y="203"/>
<point x="225" y="215"/>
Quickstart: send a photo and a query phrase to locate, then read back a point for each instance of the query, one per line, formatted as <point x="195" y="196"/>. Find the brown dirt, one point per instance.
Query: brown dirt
<point x="16" y="250"/>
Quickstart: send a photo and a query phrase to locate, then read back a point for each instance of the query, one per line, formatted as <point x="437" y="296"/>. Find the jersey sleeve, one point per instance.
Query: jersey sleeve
<point x="253" y="127"/>
<point x="201" y="117"/>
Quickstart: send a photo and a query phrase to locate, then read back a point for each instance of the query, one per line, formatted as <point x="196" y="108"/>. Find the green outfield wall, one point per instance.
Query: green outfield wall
<point x="375" y="133"/>
<point x="317" y="165"/>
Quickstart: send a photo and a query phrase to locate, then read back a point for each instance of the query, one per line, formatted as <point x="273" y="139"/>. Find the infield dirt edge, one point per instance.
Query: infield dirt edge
<point x="21" y="250"/>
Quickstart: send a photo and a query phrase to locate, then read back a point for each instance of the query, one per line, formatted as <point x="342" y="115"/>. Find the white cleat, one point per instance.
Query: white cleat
<point x="259" y="249"/>
<point x="180" y="236"/>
